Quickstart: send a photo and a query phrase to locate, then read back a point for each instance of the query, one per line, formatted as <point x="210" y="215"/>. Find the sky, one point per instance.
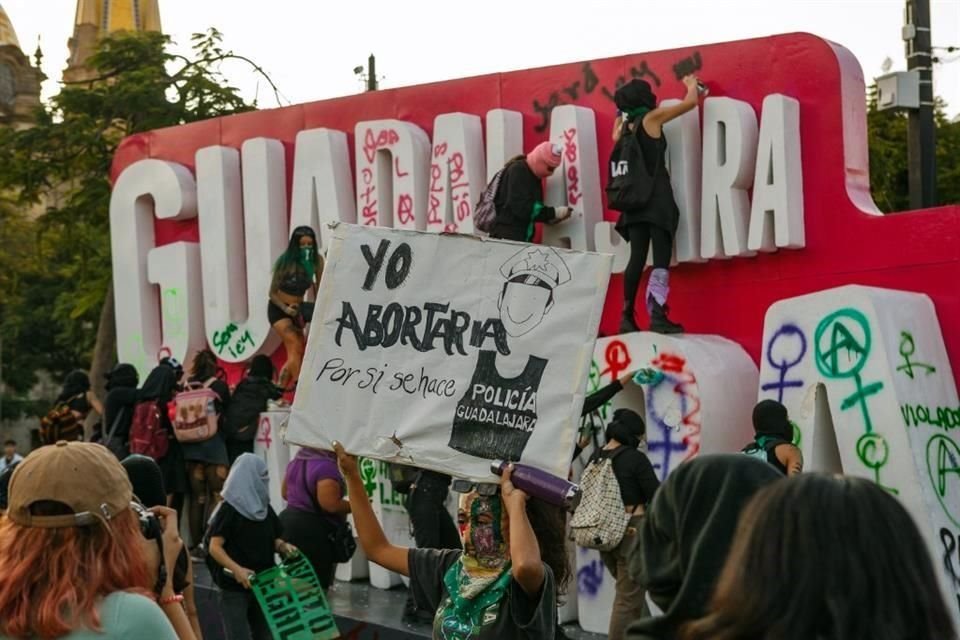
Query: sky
<point x="310" y="48"/>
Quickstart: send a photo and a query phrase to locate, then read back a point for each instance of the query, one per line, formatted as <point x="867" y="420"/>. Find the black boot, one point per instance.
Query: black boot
<point x="627" y="323"/>
<point x="659" y="322"/>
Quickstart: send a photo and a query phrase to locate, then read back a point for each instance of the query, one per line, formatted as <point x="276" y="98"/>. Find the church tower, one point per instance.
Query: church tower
<point x="96" y="19"/>
<point x="19" y="80"/>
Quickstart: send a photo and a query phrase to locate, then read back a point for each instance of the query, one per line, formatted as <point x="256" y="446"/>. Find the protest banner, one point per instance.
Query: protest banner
<point x="449" y="351"/>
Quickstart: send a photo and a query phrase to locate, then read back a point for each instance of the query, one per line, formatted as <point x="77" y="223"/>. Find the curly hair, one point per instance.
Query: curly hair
<point x="549" y="523"/>
<point x="51" y="580"/>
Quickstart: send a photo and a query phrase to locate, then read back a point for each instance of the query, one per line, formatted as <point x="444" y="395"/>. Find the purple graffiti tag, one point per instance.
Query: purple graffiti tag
<point x="590" y="578"/>
<point x="666" y="445"/>
<point x="792" y="341"/>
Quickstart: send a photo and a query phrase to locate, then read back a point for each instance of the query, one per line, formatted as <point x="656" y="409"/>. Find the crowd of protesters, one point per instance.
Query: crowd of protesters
<point x="738" y="546"/>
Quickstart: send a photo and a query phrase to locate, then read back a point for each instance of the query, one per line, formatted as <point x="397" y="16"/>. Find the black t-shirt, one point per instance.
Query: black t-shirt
<point x="516" y="617"/>
<point x="635" y="475"/>
<point x="248" y="542"/>
<point x="514" y="201"/>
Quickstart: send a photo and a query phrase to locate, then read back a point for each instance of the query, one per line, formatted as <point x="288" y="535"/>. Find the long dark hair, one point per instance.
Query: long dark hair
<point x="292" y="259"/>
<point x="550" y="526"/>
<point x="827" y="557"/>
<point x="204" y="366"/>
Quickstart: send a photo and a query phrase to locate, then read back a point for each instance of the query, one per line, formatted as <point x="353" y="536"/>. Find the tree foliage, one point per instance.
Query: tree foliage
<point x="887" y="139"/>
<point x="55" y="268"/>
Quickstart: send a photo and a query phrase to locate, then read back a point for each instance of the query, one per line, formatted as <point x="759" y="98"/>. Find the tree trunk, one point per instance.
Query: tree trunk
<point x="104" y="354"/>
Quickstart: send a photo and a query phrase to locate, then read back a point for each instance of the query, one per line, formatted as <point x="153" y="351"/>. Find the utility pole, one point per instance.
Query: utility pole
<point x="372" y="83"/>
<point x="921" y="132"/>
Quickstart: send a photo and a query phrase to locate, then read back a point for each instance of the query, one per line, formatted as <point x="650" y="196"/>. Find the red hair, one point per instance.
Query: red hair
<point x="51" y="580"/>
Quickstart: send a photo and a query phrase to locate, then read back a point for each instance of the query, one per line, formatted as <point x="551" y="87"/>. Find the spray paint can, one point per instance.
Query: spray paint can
<point x="540" y="484"/>
<point x="702" y="89"/>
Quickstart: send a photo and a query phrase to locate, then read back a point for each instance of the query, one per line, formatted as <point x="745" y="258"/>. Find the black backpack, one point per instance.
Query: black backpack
<point x="248" y="402"/>
<point x="629" y="185"/>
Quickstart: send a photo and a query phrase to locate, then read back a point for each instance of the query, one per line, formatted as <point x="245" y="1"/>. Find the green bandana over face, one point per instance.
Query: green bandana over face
<point x="307" y="260"/>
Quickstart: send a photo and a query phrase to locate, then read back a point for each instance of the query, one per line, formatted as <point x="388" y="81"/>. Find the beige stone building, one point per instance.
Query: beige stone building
<point x="19" y="79"/>
<point x="98" y="18"/>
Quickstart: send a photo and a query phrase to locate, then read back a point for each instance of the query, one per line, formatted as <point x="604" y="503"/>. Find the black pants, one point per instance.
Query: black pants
<point x="242" y="617"/>
<point x="310" y="533"/>
<point x="433" y="526"/>
<point x="640" y="236"/>
<point x="237" y="447"/>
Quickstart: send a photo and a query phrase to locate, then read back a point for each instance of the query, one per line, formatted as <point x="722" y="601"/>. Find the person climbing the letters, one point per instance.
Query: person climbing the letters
<point x="519" y="197"/>
<point x="496" y="415"/>
<point x="639" y="188"/>
<point x="296" y="272"/>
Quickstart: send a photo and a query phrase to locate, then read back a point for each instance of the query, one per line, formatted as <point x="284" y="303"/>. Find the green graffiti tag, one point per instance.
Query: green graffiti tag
<point x="235" y="343"/>
<point x="873" y="451"/>
<point x="174" y="314"/>
<point x="907" y="349"/>
<point x="594" y="382"/>
<point x="843" y="341"/>
<point x="946" y="418"/>
<point x="368" y="473"/>
<point x="943" y="467"/>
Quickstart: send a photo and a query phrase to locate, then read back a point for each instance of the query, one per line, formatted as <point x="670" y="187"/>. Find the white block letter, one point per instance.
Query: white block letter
<point x="504" y="138"/>
<point x="729" y="149"/>
<point x="577" y="182"/>
<point x="776" y="216"/>
<point x="321" y="182"/>
<point x="145" y="189"/>
<point x="683" y="161"/>
<point x="242" y="231"/>
<point x="457" y="176"/>
<point x="392" y="173"/>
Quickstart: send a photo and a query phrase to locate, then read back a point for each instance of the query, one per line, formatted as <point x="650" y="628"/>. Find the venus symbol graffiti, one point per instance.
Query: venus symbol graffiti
<point x="842" y="344"/>
<point x="943" y="465"/>
<point x="784" y="352"/>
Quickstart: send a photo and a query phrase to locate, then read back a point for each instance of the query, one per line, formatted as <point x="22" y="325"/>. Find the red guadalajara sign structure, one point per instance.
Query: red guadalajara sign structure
<point x="844" y="238"/>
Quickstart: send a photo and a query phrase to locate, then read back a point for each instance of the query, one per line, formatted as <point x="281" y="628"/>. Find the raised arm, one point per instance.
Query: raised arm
<point x="526" y="565"/>
<point x="372" y="539"/>
<point x="654" y="120"/>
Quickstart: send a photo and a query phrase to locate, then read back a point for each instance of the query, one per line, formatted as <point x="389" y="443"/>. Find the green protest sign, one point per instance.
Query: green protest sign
<point x="293" y="601"/>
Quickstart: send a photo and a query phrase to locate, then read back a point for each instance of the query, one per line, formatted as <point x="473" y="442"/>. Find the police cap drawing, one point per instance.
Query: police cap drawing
<point x="496" y="415"/>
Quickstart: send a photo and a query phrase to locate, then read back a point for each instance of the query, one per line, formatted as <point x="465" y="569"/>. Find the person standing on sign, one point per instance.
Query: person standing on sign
<point x="504" y="583"/>
<point x="296" y="272"/>
<point x="657" y="218"/>
<point x="519" y="198"/>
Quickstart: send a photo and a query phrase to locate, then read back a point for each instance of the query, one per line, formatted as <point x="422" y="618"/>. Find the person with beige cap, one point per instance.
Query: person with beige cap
<point x="73" y="561"/>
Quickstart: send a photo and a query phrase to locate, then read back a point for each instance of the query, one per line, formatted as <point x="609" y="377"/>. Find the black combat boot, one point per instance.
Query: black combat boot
<point x="659" y="322"/>
<point x="627" y="323"/>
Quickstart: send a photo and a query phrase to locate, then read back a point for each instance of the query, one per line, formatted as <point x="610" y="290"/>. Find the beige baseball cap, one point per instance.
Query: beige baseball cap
<point x="84" y="476"/>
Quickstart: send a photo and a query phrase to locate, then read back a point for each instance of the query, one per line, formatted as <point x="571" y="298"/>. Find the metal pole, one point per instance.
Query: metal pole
<point x="371" y="73"/>
<point x="921" y="131"/>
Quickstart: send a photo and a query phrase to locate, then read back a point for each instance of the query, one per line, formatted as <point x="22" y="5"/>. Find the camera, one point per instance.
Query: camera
<point x="149" y="525"/>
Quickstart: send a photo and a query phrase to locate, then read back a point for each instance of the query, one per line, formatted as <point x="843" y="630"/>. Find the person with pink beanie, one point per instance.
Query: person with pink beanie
<point x="519" y="199"/>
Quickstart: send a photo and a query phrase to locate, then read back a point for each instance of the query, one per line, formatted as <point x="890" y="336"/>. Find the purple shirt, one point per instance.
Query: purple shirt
<point x="304" y="472"/>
